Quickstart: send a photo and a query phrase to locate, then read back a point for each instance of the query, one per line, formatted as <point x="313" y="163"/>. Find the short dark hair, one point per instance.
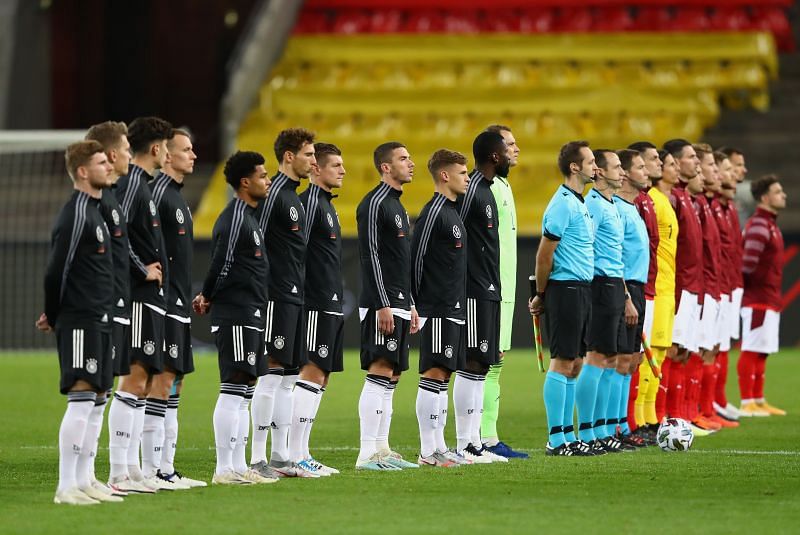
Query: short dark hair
<point x="662" y="154"/>
<point x="486" y="144"/>
<point x="78" y="154"/>
<point x="761" y="186"/>
<point x="144" y="131"/>
<point x="641" y="146"/>
<point x="570" y="153"/>
<point x="498" y="128"/>
<point x="383" y="153"/>
<point x="442" y="158"/>
<point x="626" y="157"/>
<point x="675" y="147"/>
<point x="720" y="157"/>
<point x="323" y="152"/>
<point x="730" y="151"/>
<point x="241" y="165"/>
<point x="600" y="157"/>
<point x="292" y="140"/>
<point x="109" y="133"/>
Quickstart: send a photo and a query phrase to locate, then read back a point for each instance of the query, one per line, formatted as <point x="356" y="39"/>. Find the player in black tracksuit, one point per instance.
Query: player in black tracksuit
<point x="235" y="291"/>
<point x="439" y="284"/>
<point x="478" y="210"/>
<point x="386" y="308"/>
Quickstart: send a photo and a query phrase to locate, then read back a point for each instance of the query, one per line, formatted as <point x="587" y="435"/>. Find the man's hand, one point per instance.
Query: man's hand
<point x="414" y="321"/>
<point x="200" y="304"/>
<point x="386" y="320"/>
<point x="43" y="324"/>
<point x="154" y="273"/>
<point x="631" y="314"/>
<point x="536" y="306"/>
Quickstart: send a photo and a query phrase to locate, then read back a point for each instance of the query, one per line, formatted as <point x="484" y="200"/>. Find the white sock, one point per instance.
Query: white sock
<point x="382" y="440"/>
<point x="226" y="424"/>
<point x="153" y="435"/>
<point x="427" y="414"/>
<point x="307" y="434"/>
<point x="464" y="388"/>
<point x="305" y="401"/>
<point x="370" y="410"/>
<point x="441" y="444"/>
<point x="240" y="451"/>
<point x="282" y="416"/>
<point x="170" y="435"/>
<point x="262" y="410"/>
<point x="71" y="435"/>
<point x="120" y="428"/>
<point x="84" y="471"/>
<point x="134" y="468"/>
<point x="477" y="413"/>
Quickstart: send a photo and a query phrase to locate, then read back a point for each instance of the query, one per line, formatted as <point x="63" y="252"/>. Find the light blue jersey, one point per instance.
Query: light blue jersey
<point x="608" y="235"/>
<point x="636" y="244"/>
<point x="567" y="221"/>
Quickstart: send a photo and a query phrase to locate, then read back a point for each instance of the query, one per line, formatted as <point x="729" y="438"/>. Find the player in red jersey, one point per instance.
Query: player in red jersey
<point x="761" y="303"/>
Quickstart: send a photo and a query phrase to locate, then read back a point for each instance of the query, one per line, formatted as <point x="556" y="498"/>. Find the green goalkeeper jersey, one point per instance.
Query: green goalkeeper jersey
<point x="507" y="228"/>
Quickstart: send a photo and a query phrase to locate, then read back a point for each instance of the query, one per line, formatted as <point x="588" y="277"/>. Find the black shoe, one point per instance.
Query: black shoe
<point x="632" y="440"/>
<point x="580" y="449"/>
<point x="614" y="445"/>
<point x="561" y="451"/>
<point x="597" y="447"/>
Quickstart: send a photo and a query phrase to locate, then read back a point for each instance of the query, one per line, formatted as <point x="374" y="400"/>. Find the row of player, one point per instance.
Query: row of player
<point x="656" y="247"/>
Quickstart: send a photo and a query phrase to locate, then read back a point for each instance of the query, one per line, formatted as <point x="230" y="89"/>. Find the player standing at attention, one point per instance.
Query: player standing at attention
<point x="478" y="210"/>
<point x="113" y="136"/>
<point x="148" y="137"/>
<point x="79" y="306"/>
<point x="564" y="269"/>
<point x="177" y="228"/>
<point x="761" y="303"/>
<point x="612" y="309"/>
<point x="386" y="308"/>
<point x="235" y="292"/>
<point x="323" y="301"/>
<point x="282" y="219"/>
<point x="637" y="253"/>
<point x="439" y="289"/>
<point x="507" y="230"/>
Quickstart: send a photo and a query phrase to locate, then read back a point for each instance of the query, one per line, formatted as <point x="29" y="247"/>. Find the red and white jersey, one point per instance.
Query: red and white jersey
<point x="689" y="258"/>
<point x="644" y="204"/>
<point x="737" y="247"/>
<point x="762" y="263"/>
<point x="711" y="247"/>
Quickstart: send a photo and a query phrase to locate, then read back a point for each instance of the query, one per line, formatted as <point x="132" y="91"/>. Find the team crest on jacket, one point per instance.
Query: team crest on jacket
<point x="484" y="346"/>
<point x="173" y="351"/>
<point x="391" y="345"/>
<point x="152" y="208"/>
<point x="293" y="213"/>
<point x="99" y="233"/>
<point x="448" y="352"/>
<point x="330" y="220"/>
<point x="149" y="348"/>
<point x="322" y="352"/>
<point x="91" y="366"/>
<point x="115" y="216"/>
<point x="251" y="358"/>
<point x="456" y="232"/>
<point x="256" y="238"/>
<point x="279" y="342"/>
<point x="179" y="216"/>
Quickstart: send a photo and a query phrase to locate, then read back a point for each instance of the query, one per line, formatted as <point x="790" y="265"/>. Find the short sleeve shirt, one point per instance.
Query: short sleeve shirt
<point x="567" y="221"/>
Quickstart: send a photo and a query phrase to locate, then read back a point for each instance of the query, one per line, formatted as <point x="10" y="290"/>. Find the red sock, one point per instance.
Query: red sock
<point x="676" y="389"/>
<point x="694" y="373"/>
<point x="707" y="389"/>
<point x="661" y="397"/>
<point x="722" y="378"/>
<point x="632" y="401"/>
<point x="746" y="370"/>
<point x="760" y="369"/>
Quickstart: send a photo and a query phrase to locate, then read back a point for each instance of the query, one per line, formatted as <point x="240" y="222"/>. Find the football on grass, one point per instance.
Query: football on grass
<point x="675" y="434"/>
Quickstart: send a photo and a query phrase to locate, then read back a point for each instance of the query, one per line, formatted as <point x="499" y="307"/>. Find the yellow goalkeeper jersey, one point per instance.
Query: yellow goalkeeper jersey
<point x="667" y="243"/>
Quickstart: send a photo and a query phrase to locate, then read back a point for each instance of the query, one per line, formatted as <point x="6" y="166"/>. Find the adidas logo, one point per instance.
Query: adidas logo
<point x="335" y="297"/>
<point x="458" y="305"/>
<point x="294" y="289"/>
<point x="491" y="288"/>
<point x="400" y="296"/>
<point x="257" y="313"/>
<point x="179" y="302"/>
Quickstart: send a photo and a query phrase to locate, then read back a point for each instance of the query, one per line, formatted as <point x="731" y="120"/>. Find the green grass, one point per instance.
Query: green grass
<point x="745" y="480"/>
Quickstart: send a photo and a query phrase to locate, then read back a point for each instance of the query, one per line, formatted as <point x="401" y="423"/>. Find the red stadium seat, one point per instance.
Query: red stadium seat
<point x="732" y="18"/>
<point x="578" y="19"/>
<point x="461" y="22"/>
<point x="386" y="21"/>
<point x="690" y="19"/>
<point x="351" y="22"/>
<point x="773" y="19"/>
<point x="499" y="22"/>
<point x="312" y="22"/>
<point x="652" y="19"/>
<point x="612" y="19"/>
<point x="537" y="21"/>
<point x="429" y="21"/>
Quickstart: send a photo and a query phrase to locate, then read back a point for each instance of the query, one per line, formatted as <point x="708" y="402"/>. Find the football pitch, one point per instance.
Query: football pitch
<point x="744" y="480"/>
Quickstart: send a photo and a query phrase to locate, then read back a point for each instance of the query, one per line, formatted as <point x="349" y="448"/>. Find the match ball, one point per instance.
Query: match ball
<point x="675" y="434"/>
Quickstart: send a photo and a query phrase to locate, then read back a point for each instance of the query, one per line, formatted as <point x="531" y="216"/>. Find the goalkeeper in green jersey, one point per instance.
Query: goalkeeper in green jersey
<point x="507" y="227"/>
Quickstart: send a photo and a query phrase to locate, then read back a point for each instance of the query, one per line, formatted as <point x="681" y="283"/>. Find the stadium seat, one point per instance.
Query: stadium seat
<point x="612" y="19"/>
<point x="689" y="19"/>
<point x="351" y="22"/>
<point x="537" y="20"/>
<point x="427" y="21"/>
<point x="730" y="19"/>
<point x="652" y="18"/>
<point x="574" y="19"/>
<point x="386" y="21"/>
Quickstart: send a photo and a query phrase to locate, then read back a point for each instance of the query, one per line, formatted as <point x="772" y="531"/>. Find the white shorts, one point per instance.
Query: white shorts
<point x="724" y="324"/>
<point x="736" y="307"/>
<point x="760" y="330"/>
<point x="708" y="330"/>
<point x="649" y="314"/>
<point x="684" y="331"/>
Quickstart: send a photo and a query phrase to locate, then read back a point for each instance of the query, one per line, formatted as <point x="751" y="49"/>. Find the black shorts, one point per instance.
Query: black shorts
<point x="240" y="350"/>
<point x="284" y="334"/>
<point x="120" y="348"/>
<point x="483" y="331"/>
<point x="567" y="315"/>
<point x="631" y="337"/>
<point x="376" y="345"/>
<point x="178" y="346"/>
<point x="442" y="345"/>
<point x="85" y="354"/>
<point x="147" y="337"/>
<point x="608" y="315"/>
<point x="325" y="340"/>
